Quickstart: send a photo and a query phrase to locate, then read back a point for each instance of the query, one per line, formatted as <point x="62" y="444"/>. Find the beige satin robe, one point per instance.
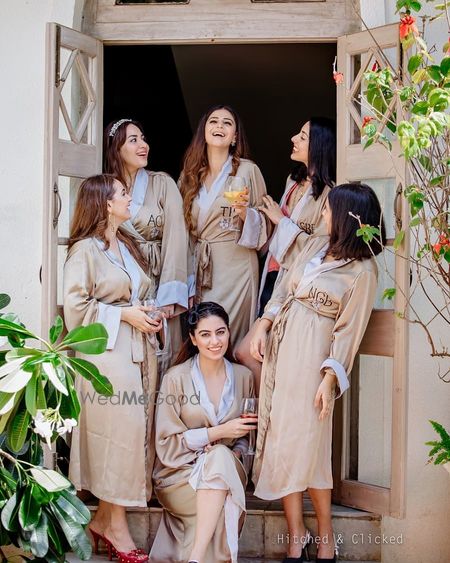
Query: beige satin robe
<point x="157" y="222"/>
<point x="289" y="237"/>
<point x="179" y="411"/>
<point x="111" y="452"/>
<point x="319" y="318"/>
<point x="226" y="269"/>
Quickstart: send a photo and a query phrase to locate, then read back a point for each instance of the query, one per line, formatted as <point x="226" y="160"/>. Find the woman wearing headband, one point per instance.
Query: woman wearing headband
<point x="225" y="260"/>
<point x="156" y="221"/>
<point x="198" y="477"/>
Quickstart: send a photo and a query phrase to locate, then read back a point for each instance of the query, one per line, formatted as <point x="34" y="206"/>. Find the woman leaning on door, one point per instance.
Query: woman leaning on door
<point x="156" y="221"/>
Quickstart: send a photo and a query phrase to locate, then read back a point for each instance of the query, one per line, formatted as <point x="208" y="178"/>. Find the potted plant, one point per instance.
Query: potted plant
<point x="440" y="450"/>
<point x="41" y="516"/>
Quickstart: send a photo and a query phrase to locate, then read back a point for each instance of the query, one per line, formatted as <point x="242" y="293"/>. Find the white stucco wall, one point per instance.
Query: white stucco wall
<point x="22" y="62"/>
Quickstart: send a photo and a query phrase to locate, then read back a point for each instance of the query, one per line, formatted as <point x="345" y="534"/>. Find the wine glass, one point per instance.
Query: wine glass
<point x="156" y="314"/>
<point x="249" y="409"/>
<point x="235" y="186"/>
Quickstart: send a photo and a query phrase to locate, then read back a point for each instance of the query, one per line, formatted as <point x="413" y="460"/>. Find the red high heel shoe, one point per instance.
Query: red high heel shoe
<point x="97" y="537"/>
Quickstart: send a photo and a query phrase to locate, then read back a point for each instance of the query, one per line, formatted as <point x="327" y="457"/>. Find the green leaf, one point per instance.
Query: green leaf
<point x="11" y="366"/>
<point x="447" y="256"/>
<point x="91" y="339"/>
<point x="41" y="495"/>
<point x="445" y="66"/>
<point x="8" y="327"/>
<point x="30" y="395"/>
<point x="4" y="419"/>
<point x="414" y="62"/>
<point x="415" y="222"/>
<point x="7" y="479"/>
<point x="90" y="372"/>
<point x="437" y="180"/>
<point x="70" y="405"/>
<point x="435" y="73"/>
<point x="6" y="402"/>
<point x="21" y="353"/>
<point x="10" y="512"/>
<point x="415" y="5"/>
<point x="56" y="330"/>
<point x="53" y="531"/>
<point x="54" y="377"/>
<point x="18" y="430"/>
<point x="420" y="108"/>
<point x="389" y="293"/>
<point x="5" y="300"/>
<point x="73" y="507"/>
<point x="50" y="480"/>
<point x="419" y="75"/>
<point x="369" y="142"/>
<point x="15" y="381"/>
<point x="41" y="401"/>
<point x="399" y="239"/>
<point x="74" y="533"/>
<point x="39" y="537"/>
<point x="29" y="510"/>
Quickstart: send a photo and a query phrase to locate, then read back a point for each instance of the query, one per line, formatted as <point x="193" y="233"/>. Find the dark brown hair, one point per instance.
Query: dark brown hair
<point x="195" y="163"/>
<point x="360" y="200"/>
<point x="321" y="156"/>
<point x="112" y="159"/>
<point x="90" y="218"/>
<point x="195" y="315"/>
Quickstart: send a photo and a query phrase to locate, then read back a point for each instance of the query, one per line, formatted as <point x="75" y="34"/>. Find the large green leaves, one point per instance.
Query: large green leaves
<point x="5" y="300"/>
<point x="71" y="505"/>
<point x="50" y="480"/>
<point x="39" y="537"/>
<point x="90" y="372"/>
<point x="10" y="511"/>
<point x="18" y="430"/>
<point x="91" y="339"/>
<point x="9" y="328"/>
<point x="56" y="329"/>
<point x="29" y="510"/>
<point x="74" y="532"/>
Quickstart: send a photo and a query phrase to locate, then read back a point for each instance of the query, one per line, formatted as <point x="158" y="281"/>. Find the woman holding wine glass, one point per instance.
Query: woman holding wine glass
<point x="205" y="412"/>
<point x="307" y="340"/>
<point x="216" y="173"/>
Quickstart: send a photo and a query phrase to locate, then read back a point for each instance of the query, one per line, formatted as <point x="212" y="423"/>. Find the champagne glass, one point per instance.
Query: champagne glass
<point x="235" y="186"/>
<point x="156" y="314"/>
<point x="249" y="409"/>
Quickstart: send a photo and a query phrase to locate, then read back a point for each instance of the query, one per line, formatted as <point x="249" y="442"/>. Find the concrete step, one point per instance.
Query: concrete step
<point x="265" y="537"/>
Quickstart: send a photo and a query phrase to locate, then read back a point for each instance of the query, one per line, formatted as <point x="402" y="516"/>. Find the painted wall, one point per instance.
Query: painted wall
<point x="425" y="529"/>
<point x="22" y="60"/>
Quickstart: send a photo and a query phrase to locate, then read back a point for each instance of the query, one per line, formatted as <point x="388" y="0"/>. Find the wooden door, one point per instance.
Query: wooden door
<point x="370" y="440"/>
<point x="73" y="145"/>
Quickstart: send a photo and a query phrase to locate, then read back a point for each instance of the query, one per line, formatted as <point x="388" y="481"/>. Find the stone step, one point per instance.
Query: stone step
<point x="71" y="558"/>
<point x="265" y="537"/>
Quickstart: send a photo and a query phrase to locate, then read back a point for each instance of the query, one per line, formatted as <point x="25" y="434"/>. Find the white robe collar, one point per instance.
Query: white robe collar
<point x="205" y="198"/>
<point x="228" y="392"/>
<point x="139" y="191"/>
<point x="129" y="266"/>
<point x="317" y="266"/>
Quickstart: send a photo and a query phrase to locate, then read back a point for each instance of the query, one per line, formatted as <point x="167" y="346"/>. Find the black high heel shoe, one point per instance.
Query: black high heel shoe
<point x="305" y="550"/>
<point x="328" y="560"/>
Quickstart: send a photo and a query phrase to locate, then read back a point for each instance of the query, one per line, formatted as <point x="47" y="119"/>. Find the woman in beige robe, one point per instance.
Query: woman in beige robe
<point x="315" y="322"/>
<point x="224" y="265"/>
<point x="156" y="222"/>
<point x="295" y="219"/>
<point x="199" y="478"/>
<point x="104" y="281"/>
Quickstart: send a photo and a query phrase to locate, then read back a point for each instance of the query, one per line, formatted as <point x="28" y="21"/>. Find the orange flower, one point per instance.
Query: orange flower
<point x="437" y="248"/>
<point x="338" y="77"/>
<point x="367" y="119"/>
<point x="443" y="239"/>
<point x="407" y="26"/>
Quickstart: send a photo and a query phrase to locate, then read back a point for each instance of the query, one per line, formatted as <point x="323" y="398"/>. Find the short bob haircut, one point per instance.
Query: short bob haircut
<point x="360" y="200"/>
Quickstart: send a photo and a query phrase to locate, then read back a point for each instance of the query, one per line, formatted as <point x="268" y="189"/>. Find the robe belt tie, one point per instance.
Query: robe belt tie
<point x="151" y="249"/>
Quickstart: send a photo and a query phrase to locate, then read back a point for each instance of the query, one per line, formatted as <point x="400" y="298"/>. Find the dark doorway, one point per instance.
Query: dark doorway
<point x="274" y="87"/>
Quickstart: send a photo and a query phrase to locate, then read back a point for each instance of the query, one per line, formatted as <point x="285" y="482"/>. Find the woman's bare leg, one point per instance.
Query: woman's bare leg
<point x="117" y="532"/>
<point x="321" y="499"/>
<point x="244" y="357"/>
<point x="209" y="504"/>
<point x="293" y="510"/>
<point x="102" y="517"/>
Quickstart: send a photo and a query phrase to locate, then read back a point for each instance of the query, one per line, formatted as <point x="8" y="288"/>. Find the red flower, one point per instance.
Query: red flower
<point x="443" y="239"/>
<point x="338" y="77"/>
<point x="407" y="26"/>
<point x="375" y="67"/>
<point x="437" y="248"/>
<point x="367" y="119"/>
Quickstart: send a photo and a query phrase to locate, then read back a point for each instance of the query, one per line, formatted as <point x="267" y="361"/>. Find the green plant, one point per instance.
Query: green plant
<point x="411" y="105"/>
<point x="40" y="512"/>
<point x="440" y="450"/>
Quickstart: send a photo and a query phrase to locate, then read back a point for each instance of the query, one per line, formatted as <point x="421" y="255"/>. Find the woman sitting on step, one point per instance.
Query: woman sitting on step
<point x="199" y="478"/>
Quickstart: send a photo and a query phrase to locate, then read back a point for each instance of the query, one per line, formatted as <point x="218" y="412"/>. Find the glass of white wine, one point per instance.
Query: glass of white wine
<point x="235" y="186"/>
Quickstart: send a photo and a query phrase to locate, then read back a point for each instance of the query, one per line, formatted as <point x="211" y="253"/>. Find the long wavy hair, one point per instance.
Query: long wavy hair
<point x="362" y="201"/>
<point x="90" y="218"/>
<point x="112" y="159"/>
<point x="195" y="162"/>
<point x="195" y="315"/>
<point x="321" y="167"/>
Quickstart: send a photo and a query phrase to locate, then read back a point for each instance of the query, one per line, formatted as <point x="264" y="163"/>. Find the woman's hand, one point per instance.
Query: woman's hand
<point x="258" y="342"/>
<point x="241" y="204"/>
<point x="239" y="427"/>
<point x="136" y="316"/>
<point x="272" y="210"/>
<point x="325" y="396"/>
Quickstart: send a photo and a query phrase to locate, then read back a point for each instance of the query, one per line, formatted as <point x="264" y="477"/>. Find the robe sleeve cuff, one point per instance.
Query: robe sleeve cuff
<point x="271" y="312"/>
<point x="191" y="285"/>
<point x="340" y="372"/>
<point x="109" y="316"/>
<point x="173" y="293"/>
<point x="285" y="234"/>
<point x="196" y="438"/>
<point x="251" y="229"/>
